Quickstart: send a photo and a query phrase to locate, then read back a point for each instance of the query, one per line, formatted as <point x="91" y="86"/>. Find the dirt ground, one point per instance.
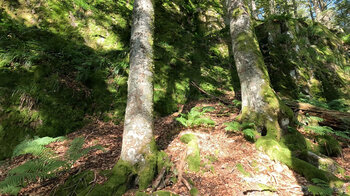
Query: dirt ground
<point x="230" y="165"/>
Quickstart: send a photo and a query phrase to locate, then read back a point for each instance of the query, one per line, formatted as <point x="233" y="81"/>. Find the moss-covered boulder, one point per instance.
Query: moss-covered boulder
<point x="193" y="153"/>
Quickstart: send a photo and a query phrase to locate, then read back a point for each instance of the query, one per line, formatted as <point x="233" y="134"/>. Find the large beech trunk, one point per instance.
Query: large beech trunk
<point x="138" y="127"/>
<point x="260" y="103"/>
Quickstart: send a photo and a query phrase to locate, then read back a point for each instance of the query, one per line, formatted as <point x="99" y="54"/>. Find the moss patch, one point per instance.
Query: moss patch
<point x="277" y="152"/>
<point x="193" y="154"/>
<point x="328" y="145"/>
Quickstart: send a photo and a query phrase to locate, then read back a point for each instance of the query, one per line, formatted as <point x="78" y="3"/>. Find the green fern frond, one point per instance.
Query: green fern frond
<point x="76" y="149"/>
<point x="35" y="146"/>
<point x="320" y="130"/>
<point x="45" y="166"/>
<point x="195" y="117"/>
<point x="9" y="189"/>
<point x="233" y="126"/>
<point x="249" y="134"/>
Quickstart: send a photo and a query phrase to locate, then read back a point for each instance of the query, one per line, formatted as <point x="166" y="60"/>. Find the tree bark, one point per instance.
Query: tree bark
<point x="295" y="9"/>
<point x="310" y="10"/>
<point x="260" y="104"/>
<point x="138" y="125"/>
<point x="254" y="10"/>
<point x="317" y="9"/>
<point x="272" y="5"/>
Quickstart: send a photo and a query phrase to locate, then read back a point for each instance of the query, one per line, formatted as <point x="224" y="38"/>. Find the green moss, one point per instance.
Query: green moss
<point x="328" y="145"/>
<point x="193" y="155"/>
<point x="118" y="181"/>
<point x="284" y="155"/>
<point x="237" y="12"/>
<point x="186" y="138"/>
<point x="147" y="171"/>
<point x="193" y="158"/>
<point x="194" y="192"/>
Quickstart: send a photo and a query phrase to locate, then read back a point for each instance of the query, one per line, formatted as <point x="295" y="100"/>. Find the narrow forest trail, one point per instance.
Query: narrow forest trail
<point x="230" y="165"/>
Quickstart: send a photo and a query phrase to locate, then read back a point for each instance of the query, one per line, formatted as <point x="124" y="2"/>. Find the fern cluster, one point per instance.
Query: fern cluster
<point x="196" y="117"/>
<point x="325" y="130"/>
<point x="46" y="165"/>
<point x="247" y="128"/>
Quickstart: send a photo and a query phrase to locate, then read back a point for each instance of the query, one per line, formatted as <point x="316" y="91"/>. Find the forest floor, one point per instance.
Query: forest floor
<point x="230" y="165"/>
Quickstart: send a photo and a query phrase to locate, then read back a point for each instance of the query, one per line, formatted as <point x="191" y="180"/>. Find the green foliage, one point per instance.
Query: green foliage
<point x="249" y="134"/>
<point x="325" y="130"/>
<point x="247" y="128"/>
<point x="35" y="146"/>
<point x="346" y="39"/>
<point x="52" y="69"/>
<point x="194" y="192"/>
<point x="237" y="103"/>
<point x="76" y="150"/>
<point x="196" y="117"/>
<point x="320" y="188"/>
<point x="45" y="166"/>
<point x="233" y="126"/>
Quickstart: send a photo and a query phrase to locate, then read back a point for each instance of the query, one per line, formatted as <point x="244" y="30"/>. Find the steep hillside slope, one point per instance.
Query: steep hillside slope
<point x="63" y="62"/>
<point x="306" y="61"/>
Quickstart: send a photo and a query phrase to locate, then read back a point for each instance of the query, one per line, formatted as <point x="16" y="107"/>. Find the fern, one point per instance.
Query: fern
<point x="319" y="130"/>
<point x="45" y="166"/>
<point x="320" y="188"/>
<point x="35" y="146"/>
<point x="249" y="134"/>
<point x="324" y="130"/>
<point x="233" y="126"/>
<point x="76" y="150"/>
<point x="196" y="117"/>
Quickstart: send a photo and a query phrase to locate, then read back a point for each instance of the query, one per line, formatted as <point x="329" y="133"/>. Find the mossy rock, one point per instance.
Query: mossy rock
<point x="186" y="138"/>
<point x="278" y="152"/>
<point x="328" y="145"/>
<point x="193" y="153"/>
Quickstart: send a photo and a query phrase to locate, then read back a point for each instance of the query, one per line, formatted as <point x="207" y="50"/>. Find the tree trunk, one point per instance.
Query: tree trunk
<point x="254" y="10"/>
<point x="272" y="7"/>
<point x="310" y="9"/>
<point x="138" y="125"/>
<point x="260" y="103"/>
<point x="295" y="9"/>
<point x="317" y="9"/>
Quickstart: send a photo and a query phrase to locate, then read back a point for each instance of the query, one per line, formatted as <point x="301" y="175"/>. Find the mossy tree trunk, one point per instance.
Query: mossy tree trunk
<point x="138" y="156"/>
<point x="138" y="125"/>
<point x="260" y="104"/>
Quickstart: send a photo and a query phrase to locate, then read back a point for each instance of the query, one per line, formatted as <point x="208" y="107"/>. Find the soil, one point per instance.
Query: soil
<point x="230" y="165"/>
